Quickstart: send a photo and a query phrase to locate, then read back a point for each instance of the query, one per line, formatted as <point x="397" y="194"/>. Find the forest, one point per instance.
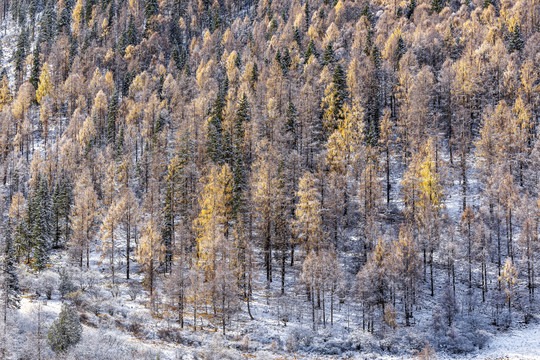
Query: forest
<point x="270" y="179"/>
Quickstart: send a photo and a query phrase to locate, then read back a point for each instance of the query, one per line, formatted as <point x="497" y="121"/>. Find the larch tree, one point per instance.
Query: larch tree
<point x="129" y="215"/>
<point x="110" y="238"/>
<point x="150" y="253"/>
<point x="265" y="184"/>
<point x="308" y="222"/>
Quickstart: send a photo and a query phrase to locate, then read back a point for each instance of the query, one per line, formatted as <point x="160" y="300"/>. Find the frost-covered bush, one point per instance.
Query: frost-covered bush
<point x="479" y="338"/>
<point x="134" y="289"/>
<point x="85" y="280"/>
<point x="217" y="350"/>
<point x="298" y="339"/>
<point x="457" y="342"/>
<point x="103" y="345"/>
<point x="48" y="282"/>
<point x="362" y="341"/>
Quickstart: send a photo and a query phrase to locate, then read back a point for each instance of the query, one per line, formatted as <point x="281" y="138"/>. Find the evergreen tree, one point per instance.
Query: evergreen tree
<point x="437" y="5"/>
<point x="515" y="37"/>
<point x="66" y="331"/>
<point x="311" y="50"/>
<point x="10" y="280"/>
<point x="239" y="158"/>
<point x="66" y="285"/>
<point x="47" y="27"/>
<point x="171" y="206"/>
<point x="39" y="220"/>
<point x="328" y="55"/>
<point x="151" y="8"/>
<point x="36" y="67"/>
<point x="410" y="9"/>
<point x="291" y="127"/>
<point x="62" y="199"/>
<point x="214" y="142"/>
<point x="20" y="53"/>
<point x="335" y="95"/>
<point x="307" y="16"/>
<point x="254" y="76"/>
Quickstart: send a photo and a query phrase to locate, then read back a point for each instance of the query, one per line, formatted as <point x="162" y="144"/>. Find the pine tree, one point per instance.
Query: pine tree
<point x="291" y="127"/>
<point x="437" y="5"/>
<point x="20" y="54"/>
<point x="62" y="200"/>
<point x="328" y="55"/>
<point x="311" y="51"/>
<point x="214" y="142"/>
<point x="10" y="280"/>
<point x="410" y="9"/>
<point x="239" y="152"/>
<point x="36" y="67"/>
<point x="47" y="27"/>
<point x="66" y="331"/>
<point x="151" y="8"/>
<point x="39" y="221"/>
<point x="515" y="37"/>
<point x="66" y="285"/>
<point x="335" y="95"/>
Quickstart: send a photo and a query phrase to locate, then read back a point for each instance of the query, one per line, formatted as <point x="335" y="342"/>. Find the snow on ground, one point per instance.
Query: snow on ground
<point x="519" y="344"/>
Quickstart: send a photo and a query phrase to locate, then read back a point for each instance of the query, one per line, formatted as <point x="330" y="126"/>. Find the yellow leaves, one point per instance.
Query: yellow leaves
<point x="151" y="250"/>
<point x="77" y="17"/>
<point x="430" y="186"/>
<point x="139" y="85"/>
<point x="308" y="222"/>
<point x="5" y="92"/>
<point x="87" y="132"/>
<point x="421" y="189"/>
<point x="332" y="33"/>
<point x="345" y="143"/>
<point x="508" y="279"/>
<point x="228" y="39"/>
<point x="233" y="73"/>
<point x="216" y="209"/>
<point x="204" y="74"/>
<point x="109" y="56"/>
<point x="391" y="48"/>
<point x="17" y="208"/>
<point x="23" y="100"/>
<point x="109" y="81"/>
<point x="513" y="23"/>
<point x="529" y="79"/>
<point x="45" y="86"/>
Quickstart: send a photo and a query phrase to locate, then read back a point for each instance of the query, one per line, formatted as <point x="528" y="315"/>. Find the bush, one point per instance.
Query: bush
<point x="298" y="338"/>
<point x="48" y="283"/>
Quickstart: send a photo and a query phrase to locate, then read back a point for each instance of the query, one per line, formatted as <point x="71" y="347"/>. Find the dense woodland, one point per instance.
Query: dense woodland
<point x="374" y="163"/>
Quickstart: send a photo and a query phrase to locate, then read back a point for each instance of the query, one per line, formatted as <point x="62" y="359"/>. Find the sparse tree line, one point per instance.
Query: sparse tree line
<point x="316" y="145"/>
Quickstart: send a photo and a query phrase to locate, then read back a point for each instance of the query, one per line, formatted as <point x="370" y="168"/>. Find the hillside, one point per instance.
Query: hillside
<point x="269" y="179"/>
